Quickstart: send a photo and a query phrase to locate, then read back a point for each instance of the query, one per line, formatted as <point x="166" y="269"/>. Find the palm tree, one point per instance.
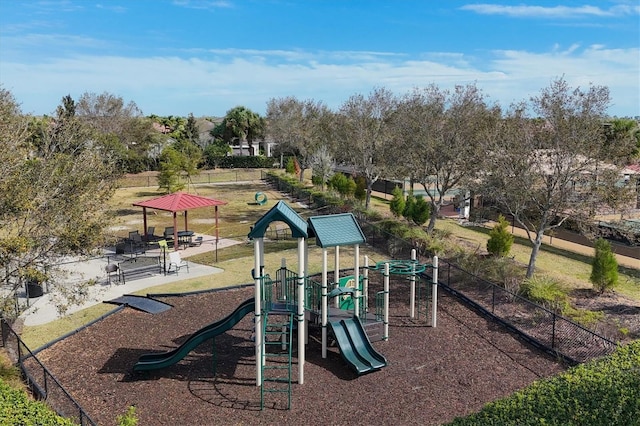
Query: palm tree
<point x="242" y="124"/>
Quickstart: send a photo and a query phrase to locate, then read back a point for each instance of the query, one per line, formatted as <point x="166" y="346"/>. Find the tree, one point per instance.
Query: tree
<point x="191" y="131"/>
<point x="322" y="165"/>
<point x="239" y="126"/>
<point x="120" y="129"/>
<point x="442" y="134"/>
<point x="191" y="157"/>
<point x="54" y="193"/>
<point x="622" y="138"/>
<point x="604" y="268"/>
<point x="360" y="192"/>
<point x="215" y="152"/>
<point x="500" y="240"/>
<point x="171" y="164"/>
<point x="397" y="203"/>
<point x="365" y="134"/>
<point x="546" y="170"/>
<point x="302" y="128"/>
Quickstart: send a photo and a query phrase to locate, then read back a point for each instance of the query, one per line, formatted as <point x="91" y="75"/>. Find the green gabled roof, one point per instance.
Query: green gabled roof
<point x="336" y="230"/>
<point x="280" y="212"/>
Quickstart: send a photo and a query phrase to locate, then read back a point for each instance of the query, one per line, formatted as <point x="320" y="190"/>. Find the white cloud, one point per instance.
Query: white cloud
<point x="203" y="4"/>
<point x="173" y="85"/>
<point x="520" y="11"/>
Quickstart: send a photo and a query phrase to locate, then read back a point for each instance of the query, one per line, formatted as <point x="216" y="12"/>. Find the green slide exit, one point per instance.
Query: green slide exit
<point x="165" y="359"/>
<point x="355" y="346"/>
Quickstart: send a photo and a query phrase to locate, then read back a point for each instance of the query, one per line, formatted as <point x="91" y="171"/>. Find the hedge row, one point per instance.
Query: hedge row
<point x="602" y="392"/>
<point x="245" y="162"/>
<point x="17" y="409"/>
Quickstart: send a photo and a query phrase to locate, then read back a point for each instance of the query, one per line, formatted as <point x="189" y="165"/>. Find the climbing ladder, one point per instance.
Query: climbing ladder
<point x="276" y="356"/>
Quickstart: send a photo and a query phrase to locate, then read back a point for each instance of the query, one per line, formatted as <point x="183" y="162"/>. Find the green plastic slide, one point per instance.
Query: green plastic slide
<point x="165" y="359"/>
<point x="355" y="346"/>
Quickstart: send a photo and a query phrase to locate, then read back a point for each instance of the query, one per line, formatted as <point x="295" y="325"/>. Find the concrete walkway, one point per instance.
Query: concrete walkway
<point x="43" y="309"/>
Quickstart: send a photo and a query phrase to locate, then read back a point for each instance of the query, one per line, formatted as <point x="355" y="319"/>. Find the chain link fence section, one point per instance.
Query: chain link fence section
<point x="542" y="327"/>
<point x="42" y="383"/>
<point x="150" y="179"/>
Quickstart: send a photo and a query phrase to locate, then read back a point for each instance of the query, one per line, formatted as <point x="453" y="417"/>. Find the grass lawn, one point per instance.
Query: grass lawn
<point x="570" y="268"/>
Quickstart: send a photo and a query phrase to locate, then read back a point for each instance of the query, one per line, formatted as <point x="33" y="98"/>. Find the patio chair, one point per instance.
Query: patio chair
<point x="176" y="262"/>
<point x="197" y="241"/>
<point x="150" y="237"/>
<point x="168" y="233"/>
<point x="112" y="271"/>
<point x="137" y="245"/>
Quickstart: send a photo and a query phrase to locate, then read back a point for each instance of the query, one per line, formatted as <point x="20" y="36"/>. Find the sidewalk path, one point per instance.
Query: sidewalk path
<point x="42" y="309"/>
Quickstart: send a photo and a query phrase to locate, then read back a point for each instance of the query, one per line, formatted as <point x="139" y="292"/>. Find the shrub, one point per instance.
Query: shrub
<point x="360" y="193"/>
<point x="601" y="392"/>
<point x="17" y="409"/>
<point x="345" y="186"/>
<point x="129" y="418"/>
<point x="546" y="292"/>
<point x="409" y="205"/>
<point x="397" y="203"/>
<point x="246" y="162"/>
<point x="421" y="211"/>
<point x="604" y="268"/>
<point x="500" y="240"/>
<point x="584" y="317"/>
<point x="317" y="180"/>
<point x="290" y="167"/>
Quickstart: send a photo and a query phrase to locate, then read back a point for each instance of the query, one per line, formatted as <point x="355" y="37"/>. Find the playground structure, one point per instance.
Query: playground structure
<point x="261" y="198"/>
<point x="292" y="300"/>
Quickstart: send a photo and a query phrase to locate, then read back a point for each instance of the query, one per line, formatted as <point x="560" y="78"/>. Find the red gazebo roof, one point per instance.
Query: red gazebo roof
<point x="179" y="201"/>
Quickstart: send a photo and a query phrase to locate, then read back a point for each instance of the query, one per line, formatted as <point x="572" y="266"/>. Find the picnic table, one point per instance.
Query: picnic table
<point x="185" y="238"/>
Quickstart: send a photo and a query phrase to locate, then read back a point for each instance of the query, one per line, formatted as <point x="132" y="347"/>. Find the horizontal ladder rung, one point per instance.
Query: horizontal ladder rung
<point x="274" y="380"/>
<point x="276" y="367"/>
<point x="277" y="391"/>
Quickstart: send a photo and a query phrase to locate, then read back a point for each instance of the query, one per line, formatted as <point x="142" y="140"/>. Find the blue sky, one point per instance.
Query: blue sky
<point x="205" y="57"/>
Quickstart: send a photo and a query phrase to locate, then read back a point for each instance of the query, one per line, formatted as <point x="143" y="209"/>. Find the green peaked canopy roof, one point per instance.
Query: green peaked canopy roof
<point x="284" y="213"/>
<point x="336" y="230"/>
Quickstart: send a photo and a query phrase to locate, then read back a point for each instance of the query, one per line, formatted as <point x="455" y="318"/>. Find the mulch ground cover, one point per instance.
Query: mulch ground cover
<point x="433" y="374"/>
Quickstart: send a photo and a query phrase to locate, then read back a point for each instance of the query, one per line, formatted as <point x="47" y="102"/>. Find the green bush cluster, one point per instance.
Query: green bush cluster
<point x="343" y="185"/>
<point x="500" y="240"/>
<point x="246" y="162"/>
<point x="547" y="292"/>
<point x="17" y="409"/>
<point x="604" y="268"/>
<point x="601" y="392"/>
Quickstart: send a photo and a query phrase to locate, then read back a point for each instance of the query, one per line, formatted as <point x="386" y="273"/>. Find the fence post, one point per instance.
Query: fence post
<point x="493" y="299"/>
<point x="553" y="331"/>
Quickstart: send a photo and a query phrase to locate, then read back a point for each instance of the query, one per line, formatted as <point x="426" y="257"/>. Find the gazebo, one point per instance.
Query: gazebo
<point x="177" y="202"/>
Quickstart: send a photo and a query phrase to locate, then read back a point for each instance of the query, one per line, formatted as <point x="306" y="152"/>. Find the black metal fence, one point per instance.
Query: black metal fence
<point x="42" y="383"/>
<point x="540" y="326"/>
